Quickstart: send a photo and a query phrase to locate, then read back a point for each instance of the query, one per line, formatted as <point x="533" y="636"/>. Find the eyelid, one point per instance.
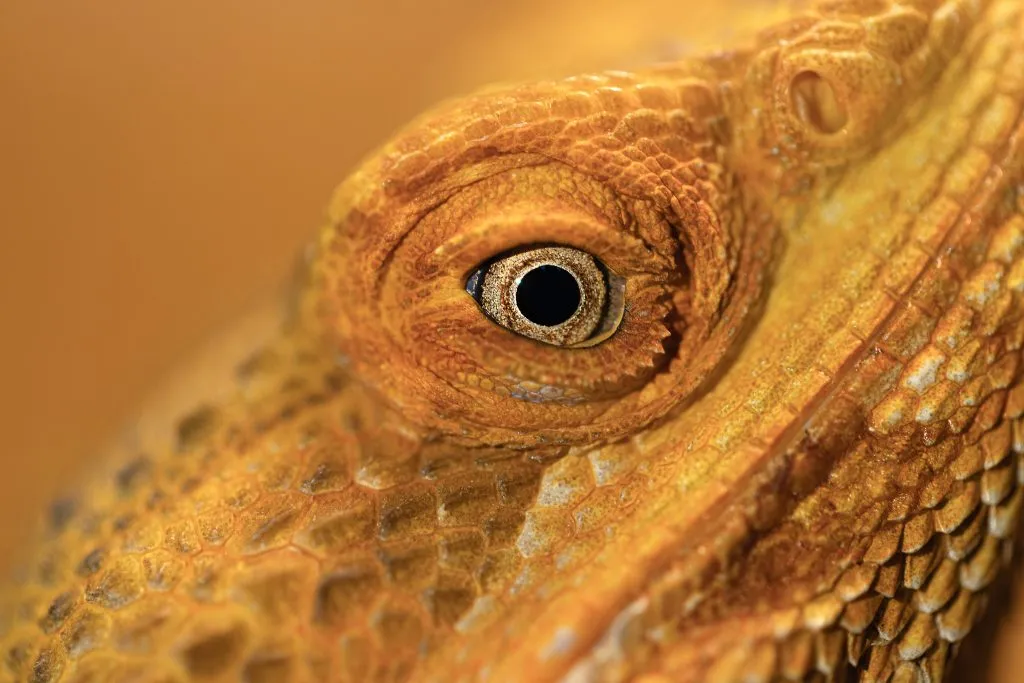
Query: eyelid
<point x="615" y="309"/>
<point x="461" y="254"/>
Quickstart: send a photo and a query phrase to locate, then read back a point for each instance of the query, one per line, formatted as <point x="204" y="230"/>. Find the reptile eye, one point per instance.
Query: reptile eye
<point x="557" y="295"/>
<point x="624" y="242"/>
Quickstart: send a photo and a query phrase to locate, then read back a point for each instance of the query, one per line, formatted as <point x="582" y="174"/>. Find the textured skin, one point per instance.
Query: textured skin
<point x="799" y="458"/>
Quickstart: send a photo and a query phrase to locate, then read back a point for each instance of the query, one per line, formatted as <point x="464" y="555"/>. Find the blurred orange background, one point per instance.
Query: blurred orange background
<point x="162" y="163"/>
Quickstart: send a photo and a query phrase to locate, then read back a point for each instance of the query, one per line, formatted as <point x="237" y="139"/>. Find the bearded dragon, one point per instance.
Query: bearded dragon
<point x="704" y="372"/>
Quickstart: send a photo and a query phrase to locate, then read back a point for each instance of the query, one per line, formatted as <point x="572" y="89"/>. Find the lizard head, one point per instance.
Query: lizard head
<point x="663" y="198"/>
<point x="762" y="268"/>
<point x="704" y="372"/>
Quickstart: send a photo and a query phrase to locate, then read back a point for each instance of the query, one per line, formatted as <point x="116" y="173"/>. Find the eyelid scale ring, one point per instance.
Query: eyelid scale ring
<point x="644" y="186"/>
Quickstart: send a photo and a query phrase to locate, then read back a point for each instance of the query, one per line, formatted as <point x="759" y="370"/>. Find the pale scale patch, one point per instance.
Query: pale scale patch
<point x="923" y="370"/>
<point x="983" y="284"/>
<point x="1008" y="240"/>
<point x="566" y="482"/>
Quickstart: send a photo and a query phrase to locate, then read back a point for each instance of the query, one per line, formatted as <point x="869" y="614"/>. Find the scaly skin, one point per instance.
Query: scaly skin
<point x="799" y="457"/>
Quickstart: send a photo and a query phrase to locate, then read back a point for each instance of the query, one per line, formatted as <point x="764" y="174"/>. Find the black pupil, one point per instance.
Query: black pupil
<point x="548" y="295"/>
